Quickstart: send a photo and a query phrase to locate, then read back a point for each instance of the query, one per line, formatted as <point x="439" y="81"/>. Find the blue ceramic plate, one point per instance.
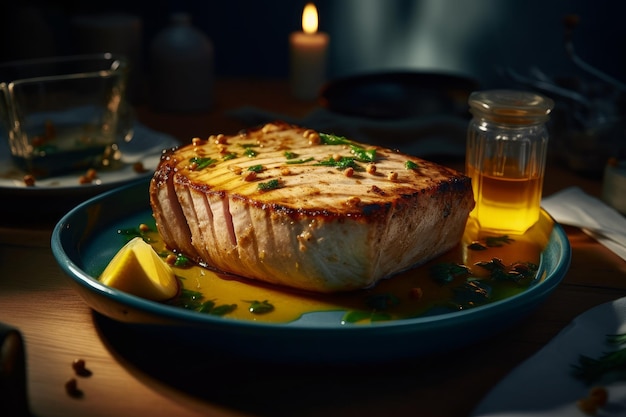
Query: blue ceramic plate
<point x="78" y="246"/>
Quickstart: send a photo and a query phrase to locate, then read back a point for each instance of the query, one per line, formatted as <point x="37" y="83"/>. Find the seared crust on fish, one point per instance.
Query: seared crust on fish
<point x="294" y="207"/>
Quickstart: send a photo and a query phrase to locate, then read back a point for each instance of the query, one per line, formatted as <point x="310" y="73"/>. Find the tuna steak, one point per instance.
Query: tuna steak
<point x="303" y="209"/>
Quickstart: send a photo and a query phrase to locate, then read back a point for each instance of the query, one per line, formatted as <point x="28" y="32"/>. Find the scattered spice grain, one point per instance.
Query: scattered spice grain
<point x="139" y="168"/>
<point x="80" y="369"/>
<point x="597" y="398"/>
<point x="71" y="387"/>
<point x="171" y="259"/>
<point x="29" y="180"/>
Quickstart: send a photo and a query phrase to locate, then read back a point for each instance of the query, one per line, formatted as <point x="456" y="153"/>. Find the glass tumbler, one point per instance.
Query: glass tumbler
<point x="63" y="114"/>
<point x="507" y="143"/>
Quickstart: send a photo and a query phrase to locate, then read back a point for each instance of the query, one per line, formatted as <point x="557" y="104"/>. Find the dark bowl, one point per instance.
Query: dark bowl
<point x="399" y="95"/>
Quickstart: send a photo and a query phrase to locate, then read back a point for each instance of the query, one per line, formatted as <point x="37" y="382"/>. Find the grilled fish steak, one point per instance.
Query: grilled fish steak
<point x="307" y="210"/>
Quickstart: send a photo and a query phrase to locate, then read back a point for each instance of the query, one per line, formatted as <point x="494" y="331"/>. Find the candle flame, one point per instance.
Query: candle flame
<point x="309" y="19"/>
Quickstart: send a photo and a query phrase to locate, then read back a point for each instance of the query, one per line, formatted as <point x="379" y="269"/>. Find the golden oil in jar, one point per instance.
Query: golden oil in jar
<point x="505" y="158"/>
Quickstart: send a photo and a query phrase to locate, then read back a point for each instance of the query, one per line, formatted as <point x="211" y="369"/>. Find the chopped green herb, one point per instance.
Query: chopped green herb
<point x="260" y="307"/>
<point x="476" y="246"/>
<point x="188" y="299"/>
<point x="256" y="168"/>
<point x="380" y="316"/>
<point x="516" y="272"/>
<point x="206" y="307"/>
<point x="410" y="165"/>
<point x="202" y="163"/>
<point x="329" y="139"/>
<point x="523" y="270"/>
<point x="362" y="154"/>
<point x="209" y="307"/>
<point x="493" y="265"/>
<point x="356" y="316"/>
<point x="290" y="155"/>
<point x="471" y="293"/>
<point x="341" y="164"/>
<point x="300" y="161"/>
<point x="446" y="272"/>
<point x="230" y="155"/>
<point x="223" y="309"/>
<point x="616" y="339"/>
<point x="194" y="300"/>
<point x="250" y="153"/>
<point x="612" y="363"/>
<point x="270" y="185"/>
<point x="181" y="260"/>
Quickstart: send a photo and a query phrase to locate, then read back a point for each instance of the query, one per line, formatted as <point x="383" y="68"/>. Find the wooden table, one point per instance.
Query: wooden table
<point x="132" y="377"/>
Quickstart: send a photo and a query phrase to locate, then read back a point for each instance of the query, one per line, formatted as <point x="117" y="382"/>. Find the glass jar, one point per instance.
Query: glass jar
<point x="507" y="142"/>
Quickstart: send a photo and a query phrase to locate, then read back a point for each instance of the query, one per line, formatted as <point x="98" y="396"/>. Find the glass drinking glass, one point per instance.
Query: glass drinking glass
<point x="65" y="113"/>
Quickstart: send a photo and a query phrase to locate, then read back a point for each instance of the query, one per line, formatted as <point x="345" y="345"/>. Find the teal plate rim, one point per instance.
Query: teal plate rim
<point x="315" y="336"/>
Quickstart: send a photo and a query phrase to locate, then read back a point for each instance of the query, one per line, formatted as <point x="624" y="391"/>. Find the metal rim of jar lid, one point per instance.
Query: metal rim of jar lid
<point x="511" y="106"/>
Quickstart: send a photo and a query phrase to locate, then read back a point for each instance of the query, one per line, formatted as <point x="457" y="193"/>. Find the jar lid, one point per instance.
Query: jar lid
<point x="511" y="106"/>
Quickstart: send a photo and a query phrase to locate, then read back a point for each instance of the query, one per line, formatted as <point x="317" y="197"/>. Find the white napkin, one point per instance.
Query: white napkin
<point x="572" y="206"/>
<point x="420" y="136"/>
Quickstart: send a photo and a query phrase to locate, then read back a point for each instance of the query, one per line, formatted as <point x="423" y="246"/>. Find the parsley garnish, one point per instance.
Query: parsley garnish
<point x="471" y="293"/>
<point x="356" y="316"/>
<point x="250" y="153"/>
<point x="591" y="370"/>
<point x="202" y="163"/>
<point x="341" y="164"/>
<point x="334" y="139"/>
<point x="260" y="307"/>
<point x="476" y="246"/>
<point x="181" y="260"/>
<point x="194" y="300"/>
<point x="410" y="165"/>
<point x="446" y="272"/>
<point x="270" y="185"/>
<point x="515" y="272"/>
<point x="362" y="154"/>
<point x="256" y="168"/>
<point x="300" y="161"/>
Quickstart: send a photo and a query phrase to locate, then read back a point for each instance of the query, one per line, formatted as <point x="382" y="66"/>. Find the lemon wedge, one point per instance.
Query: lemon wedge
<point x="137" y="269"/>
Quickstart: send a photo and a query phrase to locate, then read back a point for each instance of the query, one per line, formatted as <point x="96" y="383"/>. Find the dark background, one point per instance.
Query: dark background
<point x="476" y="38"/>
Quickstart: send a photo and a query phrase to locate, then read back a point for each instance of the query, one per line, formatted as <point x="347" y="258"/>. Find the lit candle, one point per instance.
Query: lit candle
<point x="308" y="56"/>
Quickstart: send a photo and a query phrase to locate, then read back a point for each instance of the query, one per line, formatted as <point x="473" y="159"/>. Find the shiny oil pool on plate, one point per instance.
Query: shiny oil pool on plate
<point x="86" y="238"/>
<point x="482" y="269"/>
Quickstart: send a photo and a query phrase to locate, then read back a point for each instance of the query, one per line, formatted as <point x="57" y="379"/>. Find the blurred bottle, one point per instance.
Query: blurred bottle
<point x="182" y="66"/>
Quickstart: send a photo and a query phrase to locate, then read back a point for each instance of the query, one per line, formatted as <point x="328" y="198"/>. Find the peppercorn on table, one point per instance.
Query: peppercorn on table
<point x="80" y="363"/>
